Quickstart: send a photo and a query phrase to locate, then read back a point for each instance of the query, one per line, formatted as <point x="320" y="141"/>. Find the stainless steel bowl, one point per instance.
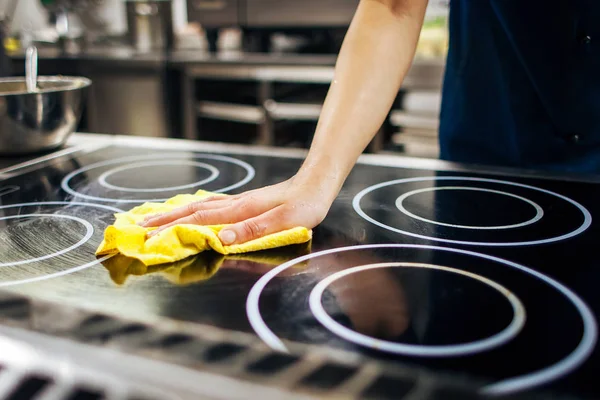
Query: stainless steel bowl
<point x="43" y="120"/>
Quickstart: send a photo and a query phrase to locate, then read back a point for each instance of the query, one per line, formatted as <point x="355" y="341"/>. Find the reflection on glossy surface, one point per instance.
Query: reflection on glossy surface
<point x="203" y="266"/>
<point x="452" y="344"/>
<point x="190" y="270"/>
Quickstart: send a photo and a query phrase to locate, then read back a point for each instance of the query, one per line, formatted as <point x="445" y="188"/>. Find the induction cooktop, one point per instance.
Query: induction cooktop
<point x="487" y="275"/>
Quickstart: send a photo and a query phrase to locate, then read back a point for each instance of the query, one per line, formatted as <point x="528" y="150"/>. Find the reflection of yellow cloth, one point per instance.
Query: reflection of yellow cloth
<point x="127" y="238"/>
<point x="198" y="268"/>
<point x="193" y="269"/>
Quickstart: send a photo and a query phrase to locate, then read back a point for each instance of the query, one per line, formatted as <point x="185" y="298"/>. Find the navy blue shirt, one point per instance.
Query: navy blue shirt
<point x="522" y="84"/>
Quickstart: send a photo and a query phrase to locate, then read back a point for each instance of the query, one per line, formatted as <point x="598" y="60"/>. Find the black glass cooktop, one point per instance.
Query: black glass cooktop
<point x="490" y="276"/>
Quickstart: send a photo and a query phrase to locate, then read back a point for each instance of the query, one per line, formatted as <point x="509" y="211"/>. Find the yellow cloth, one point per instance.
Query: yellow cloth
<point x="178" y="242"/>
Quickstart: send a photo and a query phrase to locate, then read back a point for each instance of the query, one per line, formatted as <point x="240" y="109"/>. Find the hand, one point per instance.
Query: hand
<point x="256" y="213"/>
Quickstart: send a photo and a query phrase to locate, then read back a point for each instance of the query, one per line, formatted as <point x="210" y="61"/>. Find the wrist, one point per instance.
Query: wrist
<point x="323" y="175"/>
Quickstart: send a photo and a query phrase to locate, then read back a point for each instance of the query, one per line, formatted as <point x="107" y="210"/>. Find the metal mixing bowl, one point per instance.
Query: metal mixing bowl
<point x="43" y="120"/>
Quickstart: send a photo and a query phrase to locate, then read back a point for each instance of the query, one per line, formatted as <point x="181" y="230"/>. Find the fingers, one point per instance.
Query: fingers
<point x="272" y="221"/>
<point x="219" y="216"/>
<point x="212" y="213"/>
<point x="185" y="211"/>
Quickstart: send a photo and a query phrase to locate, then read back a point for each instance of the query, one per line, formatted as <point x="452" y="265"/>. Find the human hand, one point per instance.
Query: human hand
<point x="253" y="214"/>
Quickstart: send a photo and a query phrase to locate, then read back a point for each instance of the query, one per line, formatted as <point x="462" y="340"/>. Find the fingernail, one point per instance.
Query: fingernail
<point x="227" y="237"/>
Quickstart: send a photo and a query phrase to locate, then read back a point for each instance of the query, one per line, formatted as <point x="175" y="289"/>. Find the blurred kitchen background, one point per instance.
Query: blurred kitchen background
<point x="240" y="71"/>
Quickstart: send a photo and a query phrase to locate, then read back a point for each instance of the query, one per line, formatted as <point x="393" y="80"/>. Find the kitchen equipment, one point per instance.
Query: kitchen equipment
<point x="477" y="273"/>
<point x="8" y="14"/>
<point x="73" y="37"/>
<point x="38" y="114"/>
<point x="6" y="17"/>
<point x="150" y="24"/>
<point x="31" y="69"/>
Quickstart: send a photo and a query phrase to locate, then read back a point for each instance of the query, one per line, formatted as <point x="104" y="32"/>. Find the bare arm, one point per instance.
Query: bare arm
<point x="375" y="56"/>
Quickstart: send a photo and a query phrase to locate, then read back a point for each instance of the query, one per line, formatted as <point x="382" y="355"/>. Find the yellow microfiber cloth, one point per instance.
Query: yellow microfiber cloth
<point x="178" y="242"/>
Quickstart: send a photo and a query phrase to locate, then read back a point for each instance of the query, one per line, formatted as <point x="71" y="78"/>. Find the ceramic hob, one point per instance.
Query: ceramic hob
<point x="484" y="274"/>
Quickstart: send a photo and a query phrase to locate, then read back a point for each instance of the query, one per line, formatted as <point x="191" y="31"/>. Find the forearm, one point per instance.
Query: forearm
<point x="375" y="56"/>
<point x="377" y="52"/>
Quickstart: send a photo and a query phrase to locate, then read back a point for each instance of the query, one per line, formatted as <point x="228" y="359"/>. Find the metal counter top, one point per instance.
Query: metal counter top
<point x="194" y="56"/>
<point x="178" y="57"/>
<point x="121" y="55"/>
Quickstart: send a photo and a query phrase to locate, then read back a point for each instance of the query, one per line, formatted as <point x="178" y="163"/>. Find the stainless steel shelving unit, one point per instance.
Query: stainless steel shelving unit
<point x="268" y="110"/>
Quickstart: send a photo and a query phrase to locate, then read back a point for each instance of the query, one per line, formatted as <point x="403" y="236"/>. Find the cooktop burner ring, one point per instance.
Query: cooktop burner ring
<point x="214" y="174"/>
<point x="586" y="223"/>
<point x="68" y="270"/>
<point x="509" y="385"/>
<point x="89" y="232"/>
<point x="539" y="212"/>
<point x="65" y="184"/>
<point x="476" y="346"/>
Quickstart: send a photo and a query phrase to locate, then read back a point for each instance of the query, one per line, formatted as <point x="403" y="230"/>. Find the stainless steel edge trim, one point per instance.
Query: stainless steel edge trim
<point x="7" y="172"/>
<point x="383" y="160"/>
<point x="99" y="368"/>
<point x="190" y="145"/>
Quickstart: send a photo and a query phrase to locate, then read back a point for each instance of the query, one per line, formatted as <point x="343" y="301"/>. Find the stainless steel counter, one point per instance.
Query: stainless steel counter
<point x="185" y="58"/>
<point x="180" y="58"/>
<point x="120" y="55"/>
<point x="90" y="141"/>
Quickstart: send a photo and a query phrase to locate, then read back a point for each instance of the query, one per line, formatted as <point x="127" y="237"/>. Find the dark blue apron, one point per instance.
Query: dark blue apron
<point x="5" y="67"/>
<point x="522" y="84"/>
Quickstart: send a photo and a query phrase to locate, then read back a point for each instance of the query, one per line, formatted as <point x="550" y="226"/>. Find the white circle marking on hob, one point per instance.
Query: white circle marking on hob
<point x="69" y="270"/>
<point x="250" y="173"/>
<point x="509" y="385"/>
<point x="463" y="349"/>
<point x="539" y="212"/>
<point x="214" y="174"/>
<point x="88" y="234"/>
<point x="587" y="217"/>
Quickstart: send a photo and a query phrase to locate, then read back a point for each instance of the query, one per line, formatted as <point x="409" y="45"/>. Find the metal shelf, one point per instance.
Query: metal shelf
<point x="422" y="87"/>
<point x="293" y="111"/>
<point x="415" y="121"/>
<point x="231" y="112"/>
<point x="292" y="74"/>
